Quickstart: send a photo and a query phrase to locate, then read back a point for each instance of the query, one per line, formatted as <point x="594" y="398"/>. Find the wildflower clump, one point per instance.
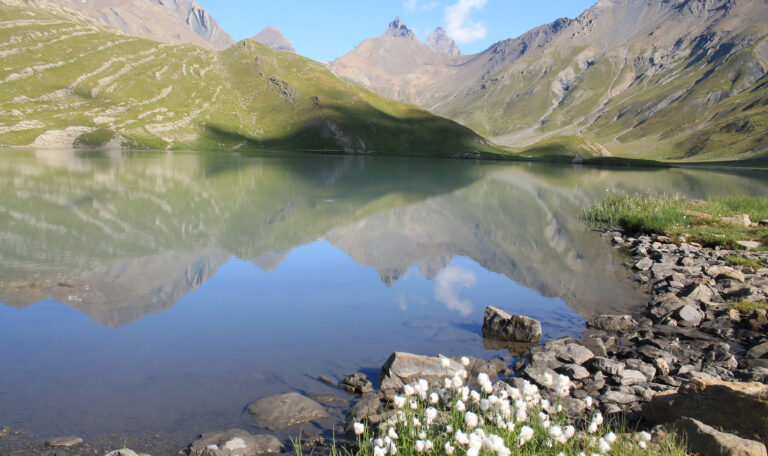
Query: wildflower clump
<point x="490" y="419"/>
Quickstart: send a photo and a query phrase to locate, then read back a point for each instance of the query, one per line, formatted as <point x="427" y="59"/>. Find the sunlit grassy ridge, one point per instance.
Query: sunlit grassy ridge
<point x="65" y="80"/>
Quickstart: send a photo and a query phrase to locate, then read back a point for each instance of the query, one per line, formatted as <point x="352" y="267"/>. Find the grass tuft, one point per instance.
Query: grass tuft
<point x="747" y="307"/>
<point x="703" y="222"/>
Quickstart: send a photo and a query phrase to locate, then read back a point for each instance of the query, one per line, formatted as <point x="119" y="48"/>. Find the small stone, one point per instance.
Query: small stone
<point x="235" y="442"/>
<point x="758" y="351"/>
<point x="740" y="219"/>
<point x="749" y="245"/>
<point x="575" y="371"/>
<point x="617" y="397"/>
<point x="500" y="325"/>
<point x="574" y="353"/>
<point x="607" y="366"/>
<point x="689" y="316"/>
<point x="631" y="377"/>
<point x="703" y="439"/>
<point x="357" y="383"/>
<point x="64" y="442"/>
<point x="644" y="264"/>
<point x="122" y="452"/>
<point x="613" y="323"/>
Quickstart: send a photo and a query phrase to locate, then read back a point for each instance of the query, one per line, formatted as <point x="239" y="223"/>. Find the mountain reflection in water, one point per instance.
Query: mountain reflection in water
<point x="308" y="251"/>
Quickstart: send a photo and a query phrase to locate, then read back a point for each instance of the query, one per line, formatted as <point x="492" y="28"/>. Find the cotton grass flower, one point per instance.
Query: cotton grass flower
<point x="359" y="428"/>
<point x="419" y="446"/>
<point x="526" y="434"/>
<point x="471" y="419"/>
<point x="464" y="361"/>
<point x="434" y="398"/>
<point x="448" y="448"/>
<point x="399" y="402"/>
<point x="461" y="438"/>
<point x="445" y="363"/>
<point x="460" y="406"/>
<point x="603" y="445"/>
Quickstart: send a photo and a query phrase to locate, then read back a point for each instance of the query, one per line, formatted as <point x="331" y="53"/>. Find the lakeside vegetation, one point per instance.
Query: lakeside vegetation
<point x="718" y="222"/>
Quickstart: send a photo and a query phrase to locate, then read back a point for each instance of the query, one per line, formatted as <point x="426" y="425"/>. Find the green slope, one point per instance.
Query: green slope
<point x="702" y="102"/>
<point x="65" y="80"/>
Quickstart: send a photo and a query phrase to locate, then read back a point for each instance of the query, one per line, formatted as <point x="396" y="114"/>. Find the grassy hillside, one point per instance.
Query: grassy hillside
<point x="65" y="80"/>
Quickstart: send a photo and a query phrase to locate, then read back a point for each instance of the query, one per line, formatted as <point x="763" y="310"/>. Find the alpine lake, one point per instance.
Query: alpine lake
<point x="162" y="292"/>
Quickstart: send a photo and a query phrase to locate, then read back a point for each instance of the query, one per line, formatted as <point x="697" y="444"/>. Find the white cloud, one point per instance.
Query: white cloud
<point x="458" y="21"/>
<point x="448" y="284"/>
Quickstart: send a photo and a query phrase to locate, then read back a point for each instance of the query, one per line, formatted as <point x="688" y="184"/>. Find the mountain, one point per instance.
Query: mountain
<point x="86" y="85"/>
<point x="274" y="38"/>
<point x="167" y="21"/>
<point x="672" y="79"/>
<point x="440" y="42"/>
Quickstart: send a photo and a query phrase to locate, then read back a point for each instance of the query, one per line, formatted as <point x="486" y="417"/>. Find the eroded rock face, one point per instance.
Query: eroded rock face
<point x="235" y="442"/>
<point x="741" y="408"/>
<point x="404" y="368"/>
<point x="703" y="439"/>
<point x="278" y="412"/>
<point x="500" y="325"/>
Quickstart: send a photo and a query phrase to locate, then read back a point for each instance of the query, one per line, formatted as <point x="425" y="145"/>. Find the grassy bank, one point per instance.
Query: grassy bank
<point x="718" y="222"/>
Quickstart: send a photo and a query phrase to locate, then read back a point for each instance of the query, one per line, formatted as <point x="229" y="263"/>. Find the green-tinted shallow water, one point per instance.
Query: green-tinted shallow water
<point x="163" y="292"/>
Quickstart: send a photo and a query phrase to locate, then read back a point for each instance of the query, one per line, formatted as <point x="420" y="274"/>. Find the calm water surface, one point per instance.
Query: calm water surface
<point x="163" y="292"/>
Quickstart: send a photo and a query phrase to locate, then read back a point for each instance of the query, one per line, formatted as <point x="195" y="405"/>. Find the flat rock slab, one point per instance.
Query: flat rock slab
<point x="64" y="442"/>
<point x="235" y="442"/>
<point x="500" y="325"/>
<point x="741" y="408"/>
<point x="703" y="439"/>
<point x="281" y="411"/>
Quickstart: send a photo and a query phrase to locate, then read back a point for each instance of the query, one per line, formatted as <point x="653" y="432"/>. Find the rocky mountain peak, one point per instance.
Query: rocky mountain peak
<point x="274" y="38"/>
<point x="440" y="42"/>
<point x="398" y="29"/>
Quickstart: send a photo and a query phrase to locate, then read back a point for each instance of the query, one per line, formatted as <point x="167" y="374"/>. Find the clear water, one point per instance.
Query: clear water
<point x="164" y="292"/>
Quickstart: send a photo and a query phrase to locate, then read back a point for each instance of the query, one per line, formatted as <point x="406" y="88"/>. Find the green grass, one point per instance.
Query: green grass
<point x="96" y="138"/>
<point x="738" y="260"/>
<point x="694" y="221"/>
<point x="747" y="307"/>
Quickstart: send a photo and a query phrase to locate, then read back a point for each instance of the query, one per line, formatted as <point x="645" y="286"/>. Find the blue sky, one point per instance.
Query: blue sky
<point x="326" y="29"/>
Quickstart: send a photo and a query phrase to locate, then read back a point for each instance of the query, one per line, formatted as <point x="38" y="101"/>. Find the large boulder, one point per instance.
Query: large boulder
<point x="277" y="412"/>
<point x="405" y="368"/>
<point x="703" y="439"/>
<point x="235" y="442"/>
<point x="739" y="408"/>
<point x="500" y="325"/>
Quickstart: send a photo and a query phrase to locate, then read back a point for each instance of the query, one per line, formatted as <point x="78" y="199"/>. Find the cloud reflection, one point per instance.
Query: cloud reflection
<point x="448" y="284"/>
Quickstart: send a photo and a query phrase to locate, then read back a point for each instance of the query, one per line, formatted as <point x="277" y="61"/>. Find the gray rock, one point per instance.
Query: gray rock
<point x="607" y="366"/>
<point x="616" y="397"/>
<point x="277" y="412"/>
<point x="689" y="316"/>
<point x="758" y="351"/>
<point x="500" y="325"/>
<point x="738" y="292"/>
<point x="703" y="439"/>
<point x="235" y="442"/>
<point x="573" y="354"/>
<point x="368" y="405"/>
<point x="720" y="273"/>
<point x="749" y="245"/>
<point x="64" y="442"/>
<point x="537" y="375"/>
<point x="593" y="344"/>
<point x="700" y="293"/>
<point x="646" y="369"/>
<point x="404" y="368"/>
<point x="630" y="377"/>
<point x="644" y="264"/>
<point x="613" y="323"/>
<point x="575" y="371"/>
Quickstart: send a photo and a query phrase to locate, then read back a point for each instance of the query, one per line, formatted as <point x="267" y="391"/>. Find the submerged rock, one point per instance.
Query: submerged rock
<point x="277" y="412"/>
<point x="500" y="325"/>
<point x="64" y="442"/>
<point x="235" y="442"/>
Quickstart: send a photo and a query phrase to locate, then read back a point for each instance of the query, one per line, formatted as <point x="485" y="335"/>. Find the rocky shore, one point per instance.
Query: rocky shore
<point x="690" y="360"/>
